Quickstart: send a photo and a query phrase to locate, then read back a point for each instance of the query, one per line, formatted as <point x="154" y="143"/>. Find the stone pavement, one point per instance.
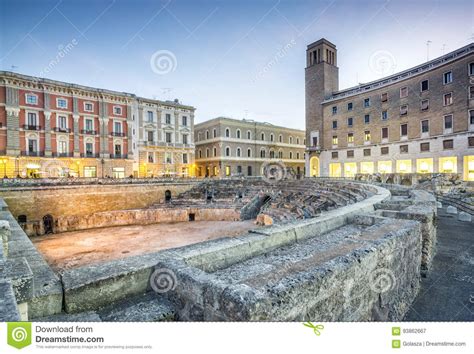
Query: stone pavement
<point x="447" y="293"/>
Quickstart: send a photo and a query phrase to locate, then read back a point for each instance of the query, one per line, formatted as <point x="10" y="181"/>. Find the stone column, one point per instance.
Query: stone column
<point x="47" y="134"/>
<point x="104" y="137"/>
<point x="77" y="152"/>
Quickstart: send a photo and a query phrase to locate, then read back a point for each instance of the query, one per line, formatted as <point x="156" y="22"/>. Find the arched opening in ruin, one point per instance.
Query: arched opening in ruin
<point x="48" y="224"/>
<point x="22" y="219"/>
<point x="167" y="196"/>
<point x="314" y="166"/>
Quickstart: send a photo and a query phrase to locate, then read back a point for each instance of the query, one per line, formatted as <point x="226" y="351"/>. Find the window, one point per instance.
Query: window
<point x="249" y="152"/>
<point x="291" y="140"/>
<point x="384" y="97"/>
<point x="367" y="152"/>
<point x="62" y="147"/>
<point x="227" y="133"/>
<point x="271" y="137"/>
<point x="262" y="136"/>
<point x="249" y="135"/>
<point x="207" y="134"/>
<point x="184" y="121"/>
<point x="32" y="119"/>
<point x="297" y="155"/>
<point x="249" y="170"/>
<point x="297" y="141"/>
<point x="448" y="122"/>
<point x="62" y="122"/>
<point x="350" y="121"/>
<point x="117" y="110"/>
<point x="89" y="125"/>
<point x="90" y="171"/>
<point x="168" y="137"/>
<point x="367" y="102"/>
<point x="239" y="169"/>
<point x="385" y="133"/>
<point x="349" y="106"/>
<point x="315" y="140"/>
<point x="367" y="119"/>
<point x="280" y="154"/>
<point x="448" y="144"/>
<point x="185" y="158"/>
<point x="425" y="105"/>
<point x="262" y="153"/>
<point x="150" y="116"/>
<point x="117" y="127"/>
<point x="168" y="119"/>
<point x="185" y="139"/>
<point x="447" y="78"/>
<point x="238" y="152"/>
<point x="350" y="153"/>
<point x="425" y="147"/>
<point x="227" y="151"/>
<point x="350" y="138"/>
<point x="334" y="124"/>
<point x="334" y="110"/>
<point x="31" y="99"/>
<point x="207" y="153"/>
<point x="214" y="151"/>
<point x="384" y="115"/>
<point x="403" y="92"/>
<point x="238" y="133"/>
<point x="424" y="86"/>
<point x="403" y="149"/>
<point x="404" y="129"/>
<point x="334" y="154"/>
<point x="448" y="99"/>
<point x="88" y="107"/>
<point x="334" y="140"/>
<point x="118" y="172"/>
<point x="425" y="126"/>
<point x="367" y="135"/>
<point x="32" y="145"/>
<point x="61" y="103"/>
<point x="470" y="141"/>
<point x="200" y="154"/>
<point x="214" y="133"/>
<point x="291" y="154"/>
<point x="404" y="110"/>
<point x="471" y="93"/>
<point x="118" y="150"/>
<point x="471" y="117"/>
<point x="471" y="69"/>
<point x="151" y="158"/>
<point x="280" y="138"/>
<point x="168" y="157"/>
<point x="384" y="150"/>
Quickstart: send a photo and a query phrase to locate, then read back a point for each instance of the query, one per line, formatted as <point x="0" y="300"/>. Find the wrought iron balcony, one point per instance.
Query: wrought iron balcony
<point x="62" y="154"/>
<point x="31" y="127"/>
<point x="117" y="133"/>
<point x="88" y="132"/>
<point x="32" y="153"/>
<point x="62" y="130"/>
<point x="118" y="156"/>
<point x="90" y="155"/>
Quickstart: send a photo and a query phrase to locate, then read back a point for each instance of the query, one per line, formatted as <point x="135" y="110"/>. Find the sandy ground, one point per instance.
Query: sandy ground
<point x="78" y="248"/>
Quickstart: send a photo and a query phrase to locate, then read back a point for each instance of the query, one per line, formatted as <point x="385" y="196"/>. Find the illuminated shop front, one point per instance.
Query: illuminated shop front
<point x="403" y="166"/>
<point x="350" y="169"/>
<point x="335" y="170"/>
<point x="448" y="164"/>
<point x="367" y="167"/>
<point x="469" y="168"/>
<point x="384" y="166"/>
<point x="424" y="165"/>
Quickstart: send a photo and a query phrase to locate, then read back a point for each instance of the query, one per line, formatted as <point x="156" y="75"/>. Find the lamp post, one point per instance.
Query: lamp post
<point x="102" y="162"/>
<point x="78" y="169"/>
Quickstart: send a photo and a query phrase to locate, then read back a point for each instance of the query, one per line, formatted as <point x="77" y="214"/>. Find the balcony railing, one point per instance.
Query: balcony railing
<point x="90" y="155"/>
<point x="62" y="154"/>
<point x="31" y="127"/>
<point x="62" y="130"/>
<point x="118" y="156"/>
<point x="88" y="132"/>
<point x="32" y="153"/>
<point x="117" y="134"/>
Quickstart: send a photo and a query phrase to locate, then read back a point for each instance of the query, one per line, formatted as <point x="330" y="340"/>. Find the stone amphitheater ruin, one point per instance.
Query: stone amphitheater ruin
<point x="331" y="250"/>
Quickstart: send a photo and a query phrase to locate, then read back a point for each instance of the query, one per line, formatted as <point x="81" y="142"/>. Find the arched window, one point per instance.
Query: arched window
<point x="263" y="136"/>
<point x="262" y="153"/>
<point x="298" y="155"/>
<point x="227" y="151"/>
<point x="272" y="154"/>
<point x="249" y="135"/>
<point x="214" y="133"/>
<point x="207" y="134"/>
<point x="207" y="152"/>
<point x="200" y="153"/>
<point x="215" y="152"/>
<point x="238" y="133"/>
<point x="238" y="152"/>
<point x="291" y="140"/>
<point x="280" y="138"/>
<point x="249" y="152"/>
<point x="280" y="154"/>
<point x="297" y="141"/>
<point x="291" y="154"/>
<point x="227" y="133"/>
<point x="271" y="137"/>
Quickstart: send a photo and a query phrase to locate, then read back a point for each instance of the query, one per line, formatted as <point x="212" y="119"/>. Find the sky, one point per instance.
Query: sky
<point x="240" y="59"/>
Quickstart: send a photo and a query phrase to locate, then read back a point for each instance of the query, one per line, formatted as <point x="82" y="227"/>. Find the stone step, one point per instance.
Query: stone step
<point x="150" y="307"/>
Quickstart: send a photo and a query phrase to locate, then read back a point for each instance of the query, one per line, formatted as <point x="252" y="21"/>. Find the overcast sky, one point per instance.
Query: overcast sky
<point x="227" y="58"/>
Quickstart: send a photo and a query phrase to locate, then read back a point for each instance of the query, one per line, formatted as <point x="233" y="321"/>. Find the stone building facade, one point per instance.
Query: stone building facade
<point x="232" y="147"/>
<point x="50" y="128"/>
<point x="420" y="120"/>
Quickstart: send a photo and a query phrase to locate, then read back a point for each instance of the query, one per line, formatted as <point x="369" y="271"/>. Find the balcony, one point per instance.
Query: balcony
<point x="117" y="134"/>
<point x="313" y="148"/>
<point x="31" y="127"/>
<point x="88" y="132"/>
<point x="62" y="130"/>
<point x="89" y="155"/>
<point x="62" y="154"/>
<point x="118" y="156"/>
<point x="32" y="153"/>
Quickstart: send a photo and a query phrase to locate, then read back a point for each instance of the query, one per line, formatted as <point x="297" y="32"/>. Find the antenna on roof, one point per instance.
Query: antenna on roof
<point x="428" y="42"/>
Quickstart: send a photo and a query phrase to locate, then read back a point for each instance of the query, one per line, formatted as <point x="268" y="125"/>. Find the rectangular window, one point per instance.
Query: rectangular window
<point x="89" y="124"/>
<point x="350" y="153"/>
<point x="425" y="126"/>
<point x="448" y="122"/>
<point x="349" y="106"/>
<point x="424" y="85"/>
<point x="334" y="140"/>
<point x="117" y="127"/>
<point x="118" y="150"/>
<point x="62" y="147"/>
<point x="367" y="119"/>
<point x="367" y="102"/>
<point x="425" y="147"/>
<point x="385" y="133"/>
<point x="447" y="78"/>
<point x="61" y="103"/>
<point x="367" y="135"/>
<point x="367" y="152"/>
<point x="150" y="135"/>
<point x="90" y="171"/>
<point x="89" y="149"/>
<point x="404" y="129"/>
<point x="404" y="110"/>
<point x="249" y="170"/>
<point x="471" y="93"/>
<point x="167" y="118"/>
<point x="185" y="158"/>
<point x="448" y="99"/>
<point x="334" y="110"/>
<point x="350" y="121"/>
<point x="117" y="110"/>
<point x="350" y="138"/>
<point x="31" y="99"/>
<point x="150" y="116"/>
<point x="384" y="97"/>
<point x="315" y="140"/>
<point x="384" y="115"/>
<point x="471" y="117"/>
<point x="403" y="92"/>
<point x="425" y="105"/>
<point x="32" y="119"/>
<point x="118" y="172"/>
<point x="88" y="107"/>
<point x="185" y="121"/>
<point x="403" y="149"/>
<point x="168" y="137"/>
<point x="334" y="154"/>
<point x="470" y="141"/>
<point x="471" y="68"/>
<point x="384" y="150"/>
<point x="168" y="157"/>
<point x="151" y="157"/>
<point x="62" y="122"/>
<point x="334" y="124"/>
<point x="185" y="138"/>
<point x="448" y="144"/>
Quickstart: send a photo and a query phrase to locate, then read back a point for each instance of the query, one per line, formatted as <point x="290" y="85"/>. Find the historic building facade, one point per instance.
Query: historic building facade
<point x="232" y="147"/>
<point x="418" y="121"/>
<point x="55" y="129"/>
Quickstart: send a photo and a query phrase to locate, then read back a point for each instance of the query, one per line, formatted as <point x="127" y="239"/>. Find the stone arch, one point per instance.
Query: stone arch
<point x="167" y="196"/>
<point x="314" y="167"/>
<point x="48" y="225"/>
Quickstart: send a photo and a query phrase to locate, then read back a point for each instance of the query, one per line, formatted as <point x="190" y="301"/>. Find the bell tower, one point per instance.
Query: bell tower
<point x="321" y="80"/>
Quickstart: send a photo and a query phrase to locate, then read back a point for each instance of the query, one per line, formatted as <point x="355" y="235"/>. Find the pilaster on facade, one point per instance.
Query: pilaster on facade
<point x="47" y="134"/>
<point x="13" y="130"/>
<point x="77" y="152"/>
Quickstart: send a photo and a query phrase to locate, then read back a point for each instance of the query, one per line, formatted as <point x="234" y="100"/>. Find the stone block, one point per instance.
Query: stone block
<point x="8" y="306"/>
<point x="463" y="216"/>
<point x="439" y="205"/>
<point x="451" y="210"/>
<point x="21" y="276"/>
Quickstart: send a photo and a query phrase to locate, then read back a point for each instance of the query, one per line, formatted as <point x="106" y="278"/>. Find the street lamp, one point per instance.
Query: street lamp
<point x="102" y="162"/>
<point x="78" y="169"/>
